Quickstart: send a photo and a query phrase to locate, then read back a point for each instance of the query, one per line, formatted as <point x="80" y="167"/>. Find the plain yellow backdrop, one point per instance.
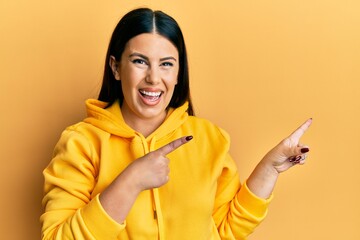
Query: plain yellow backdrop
<point x="258" y="69"/>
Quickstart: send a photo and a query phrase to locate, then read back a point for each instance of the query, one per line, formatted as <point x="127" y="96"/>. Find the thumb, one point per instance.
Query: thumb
<point x="302" y="149"/>
<point x="297" y="151"/>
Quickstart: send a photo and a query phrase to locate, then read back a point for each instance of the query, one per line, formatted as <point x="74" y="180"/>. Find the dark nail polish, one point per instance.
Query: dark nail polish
<point x="304" y="150"/>
<point x="188" y="138"/>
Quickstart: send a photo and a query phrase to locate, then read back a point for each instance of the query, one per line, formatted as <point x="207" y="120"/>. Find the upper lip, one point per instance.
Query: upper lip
<point x="151" y="92"/>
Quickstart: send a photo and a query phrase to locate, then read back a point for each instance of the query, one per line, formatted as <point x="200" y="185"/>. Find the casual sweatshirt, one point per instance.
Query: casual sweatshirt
<point x="202" y="200"/>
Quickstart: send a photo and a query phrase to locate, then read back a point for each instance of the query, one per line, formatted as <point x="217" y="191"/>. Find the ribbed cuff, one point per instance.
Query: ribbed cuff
<point x="252" y="203"/>
<point x="99" y="223"/>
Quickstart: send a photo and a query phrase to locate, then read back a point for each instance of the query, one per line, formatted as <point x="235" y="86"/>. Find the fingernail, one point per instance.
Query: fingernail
<point x="304" y="150"/>
<point x="188" y="138"/>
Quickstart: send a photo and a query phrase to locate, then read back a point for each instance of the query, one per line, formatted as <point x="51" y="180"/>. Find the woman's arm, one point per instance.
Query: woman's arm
<point x="69" y="180"/>
<point x="286" y="154"/>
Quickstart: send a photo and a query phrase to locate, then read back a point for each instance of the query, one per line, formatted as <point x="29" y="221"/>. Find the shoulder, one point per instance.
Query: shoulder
<point x="76" y="133"/>
<point x="84" y="129"/>
<point x="207" y="129"/>
<point x="82" y="135"/>
<point x="206" y="125"/>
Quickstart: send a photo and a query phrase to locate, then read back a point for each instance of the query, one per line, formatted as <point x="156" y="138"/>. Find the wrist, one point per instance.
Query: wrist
<point x="262" y="180"/>
<point x="118" y="198"/>
<point x="268" y="169"/>
<point x="129" y="181"/>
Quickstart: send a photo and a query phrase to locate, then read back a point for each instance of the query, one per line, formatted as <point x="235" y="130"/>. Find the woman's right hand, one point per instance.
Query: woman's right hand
<point x="147" y="172"/>
<point x="152" y="170"/>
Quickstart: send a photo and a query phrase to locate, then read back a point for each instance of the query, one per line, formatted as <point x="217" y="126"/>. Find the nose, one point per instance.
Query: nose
<point x="153" y="76"/>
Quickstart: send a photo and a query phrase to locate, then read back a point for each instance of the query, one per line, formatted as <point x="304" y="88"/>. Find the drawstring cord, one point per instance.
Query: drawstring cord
<point x="152" y="148"/>
<point x="155" y="191"/>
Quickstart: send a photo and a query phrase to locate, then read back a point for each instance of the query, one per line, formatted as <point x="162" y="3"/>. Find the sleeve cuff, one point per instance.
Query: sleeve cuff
<point x="99" y="223"/>
<point x="255" y="205"/>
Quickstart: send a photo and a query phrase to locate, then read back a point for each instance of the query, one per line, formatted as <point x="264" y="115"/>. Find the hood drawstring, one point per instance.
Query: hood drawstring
<point x="148" y="147"/>
<point x="157" y="208"/>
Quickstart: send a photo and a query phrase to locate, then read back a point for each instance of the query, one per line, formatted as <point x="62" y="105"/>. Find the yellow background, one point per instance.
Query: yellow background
<point x="258" y="69"/>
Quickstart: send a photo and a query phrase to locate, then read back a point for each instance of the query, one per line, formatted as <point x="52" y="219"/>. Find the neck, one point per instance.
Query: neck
<point x="145" y="126"/>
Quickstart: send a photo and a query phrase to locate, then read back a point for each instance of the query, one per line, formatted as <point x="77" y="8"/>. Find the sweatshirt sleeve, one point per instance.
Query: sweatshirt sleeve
<point x="69" y="210"/>
<point x="237" y="210"/>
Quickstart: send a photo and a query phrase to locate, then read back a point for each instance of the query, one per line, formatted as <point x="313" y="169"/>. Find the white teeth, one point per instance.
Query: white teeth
<point x="151" y="94"/>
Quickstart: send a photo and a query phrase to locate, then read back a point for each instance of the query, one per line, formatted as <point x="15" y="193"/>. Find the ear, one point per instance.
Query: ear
<point x="114" y="65"/>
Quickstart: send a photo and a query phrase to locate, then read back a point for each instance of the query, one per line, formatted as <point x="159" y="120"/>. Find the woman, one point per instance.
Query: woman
<point x="110" y="175"/>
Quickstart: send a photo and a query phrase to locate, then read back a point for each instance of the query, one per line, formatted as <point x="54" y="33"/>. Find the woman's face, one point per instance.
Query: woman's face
<point x="148" y="72"/>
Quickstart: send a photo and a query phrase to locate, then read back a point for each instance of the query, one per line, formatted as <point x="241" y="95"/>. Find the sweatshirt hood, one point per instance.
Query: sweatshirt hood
<point x="111" y="120"/>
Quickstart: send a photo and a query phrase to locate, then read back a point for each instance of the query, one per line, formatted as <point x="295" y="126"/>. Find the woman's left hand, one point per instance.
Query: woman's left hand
<point x="289" y="151"/>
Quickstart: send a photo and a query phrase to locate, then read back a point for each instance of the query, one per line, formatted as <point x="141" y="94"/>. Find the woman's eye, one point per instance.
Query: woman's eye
<point x="167" y="64"/>
<point x="138" y="61"/>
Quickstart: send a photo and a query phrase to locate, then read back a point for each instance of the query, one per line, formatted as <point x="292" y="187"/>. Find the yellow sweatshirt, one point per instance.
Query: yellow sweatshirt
<point x="202" y="200"/>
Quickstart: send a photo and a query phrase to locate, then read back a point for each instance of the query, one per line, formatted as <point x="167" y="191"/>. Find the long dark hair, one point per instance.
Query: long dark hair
<point x="138" y="21"/>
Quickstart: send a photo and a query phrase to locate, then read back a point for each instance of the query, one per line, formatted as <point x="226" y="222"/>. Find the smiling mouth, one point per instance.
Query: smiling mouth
<point x="151" y="96"/>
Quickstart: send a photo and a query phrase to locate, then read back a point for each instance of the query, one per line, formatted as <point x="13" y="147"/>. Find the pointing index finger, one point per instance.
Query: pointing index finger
<point x="296" y="135"/>
<point x="168" y="148"/>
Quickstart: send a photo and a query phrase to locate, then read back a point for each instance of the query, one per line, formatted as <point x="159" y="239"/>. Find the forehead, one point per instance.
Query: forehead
<point x="151" y="45"/>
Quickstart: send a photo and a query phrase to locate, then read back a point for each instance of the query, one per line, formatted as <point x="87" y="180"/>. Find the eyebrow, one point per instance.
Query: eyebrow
<point x="146" y="58"/>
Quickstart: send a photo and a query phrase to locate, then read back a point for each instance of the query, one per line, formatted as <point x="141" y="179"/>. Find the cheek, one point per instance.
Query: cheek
<point x="170" y="84"/>
<point x="125" y="88"/>
<point x="131" y="79"/>
<point x="172" y="79"/>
